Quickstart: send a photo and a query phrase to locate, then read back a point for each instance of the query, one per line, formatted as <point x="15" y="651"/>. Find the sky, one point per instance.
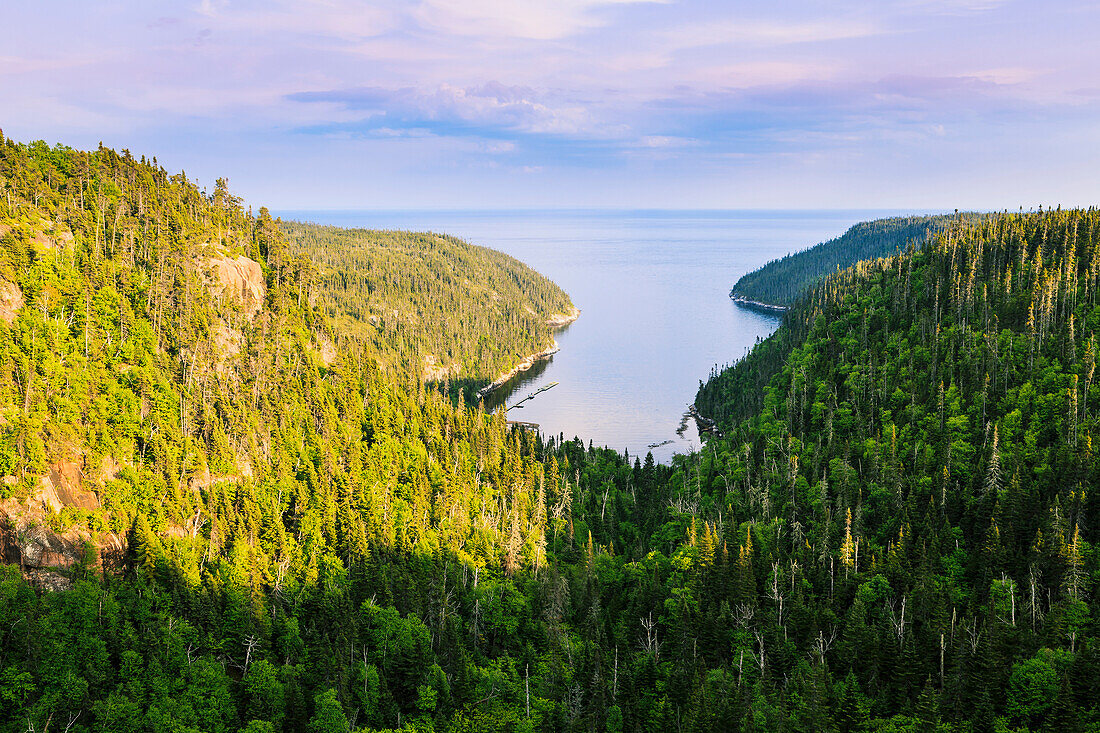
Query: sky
<point x="441" y="104"/>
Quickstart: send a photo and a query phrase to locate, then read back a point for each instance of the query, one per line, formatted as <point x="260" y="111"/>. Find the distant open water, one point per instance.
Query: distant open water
<point x="653" y="290"/>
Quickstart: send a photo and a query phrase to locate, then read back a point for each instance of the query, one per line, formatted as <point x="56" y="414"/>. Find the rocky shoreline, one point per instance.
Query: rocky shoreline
<point x="555" y="322"/>
<point x="749" y="303"/>
<point x="705" y="424"/>
<point x="561" y="320"/>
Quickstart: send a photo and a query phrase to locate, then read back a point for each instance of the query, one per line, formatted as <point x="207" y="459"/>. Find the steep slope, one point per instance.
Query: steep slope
<point x="432" y="304"/>
<point x="229" y="495"/>
<point x="168" y="353"/>
<point x="922" y="461"/>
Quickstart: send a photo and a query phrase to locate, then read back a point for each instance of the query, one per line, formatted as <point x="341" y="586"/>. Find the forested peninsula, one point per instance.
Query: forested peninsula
<point x="780" y="281"/>
<point x="223" y="509"/>
<point x="431" y="304"/>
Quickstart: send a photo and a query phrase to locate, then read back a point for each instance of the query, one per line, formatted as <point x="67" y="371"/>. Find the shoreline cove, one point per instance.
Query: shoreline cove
<point x="556" y="322"/>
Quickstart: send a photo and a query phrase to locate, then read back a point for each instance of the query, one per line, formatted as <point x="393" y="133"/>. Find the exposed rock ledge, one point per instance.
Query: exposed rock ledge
<point x="757" y="305"/>
<point x="436" y="372"/>
<point x="241" y="278"/>
<point x="44" y="554"/>
<point x="561" y="320"/>
<point x="11" y="300"/>
<point x="527" y="363"/>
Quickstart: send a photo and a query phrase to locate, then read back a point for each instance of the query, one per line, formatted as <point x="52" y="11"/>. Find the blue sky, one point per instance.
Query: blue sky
<point x="925" y="104"/>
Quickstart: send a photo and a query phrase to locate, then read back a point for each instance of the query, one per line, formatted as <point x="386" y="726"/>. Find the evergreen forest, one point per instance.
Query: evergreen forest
<point x="228" y="504"/>
<point x="444" y="308"/>
<point x="780" y="281"/>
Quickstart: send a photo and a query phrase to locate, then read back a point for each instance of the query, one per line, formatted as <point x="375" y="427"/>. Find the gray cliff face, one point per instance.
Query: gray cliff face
<point x="37" y="546"/>
<point x="41" y="553"/>
<point x="28" y="537"/>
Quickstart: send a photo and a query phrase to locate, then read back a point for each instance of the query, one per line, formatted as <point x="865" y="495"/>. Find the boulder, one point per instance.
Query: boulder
<point x="41" y="547"/>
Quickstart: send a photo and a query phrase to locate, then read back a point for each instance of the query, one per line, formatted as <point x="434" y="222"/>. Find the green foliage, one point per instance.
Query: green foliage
<point x="781" y="281"/>
<point x="430" y="304"/>
<point x="329" y="714"/>
<point x="258" y="726"/>
<point x="892" y="532"/>
<point x="921" y="427"/>
<point x="1033" y="686"/>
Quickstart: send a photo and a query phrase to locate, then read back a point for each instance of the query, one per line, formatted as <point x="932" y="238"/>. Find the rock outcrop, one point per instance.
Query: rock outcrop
<point x="63" y="486"/>
<point x="228" y="341"/>
<point x="36" y="545"/>
<point x="241" y="279"/>
<point x="29" y="536"/>
<point x="11" y="300"/>
<point x="326" y="348"/>
<point x="561" y="320"/>
<point x="436" y="372"/>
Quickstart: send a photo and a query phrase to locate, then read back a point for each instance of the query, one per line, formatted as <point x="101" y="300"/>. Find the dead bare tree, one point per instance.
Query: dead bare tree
<point x="823" y="643"/>
<point x="650" y="643"/>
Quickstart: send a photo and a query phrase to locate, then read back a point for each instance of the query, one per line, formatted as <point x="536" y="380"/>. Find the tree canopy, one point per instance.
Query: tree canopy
<point x="280" y="531"/>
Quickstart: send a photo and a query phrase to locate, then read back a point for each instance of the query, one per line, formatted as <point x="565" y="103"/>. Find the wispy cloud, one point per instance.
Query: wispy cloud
<point x="952" y="7"/>
<point x="577" y="91"/>
<point x="357" y="19"/>
<point x="491" y="106"/>
<point x="665" y="142"/>
<point x="756" y="33"/>
<point x="530" y="19"/>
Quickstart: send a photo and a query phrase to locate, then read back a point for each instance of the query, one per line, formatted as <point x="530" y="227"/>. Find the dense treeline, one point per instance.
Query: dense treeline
<point x="245" y="463"/>
<point x="313" y="543"/>
<point x="430" y="304"/>
<point x="781" y="281"/>
<point x="923" y="454"/>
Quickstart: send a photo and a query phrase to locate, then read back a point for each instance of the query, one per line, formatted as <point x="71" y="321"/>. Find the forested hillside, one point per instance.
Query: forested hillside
<point x="781" y="281"/>
<point x="220" y="514"/>
<point x="229" y="484"/>
<point x="431" y="304"/>
<point x="922" y="454"/>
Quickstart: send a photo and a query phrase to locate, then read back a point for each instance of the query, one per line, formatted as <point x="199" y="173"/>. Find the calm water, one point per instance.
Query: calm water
<point x="655" y="313"/>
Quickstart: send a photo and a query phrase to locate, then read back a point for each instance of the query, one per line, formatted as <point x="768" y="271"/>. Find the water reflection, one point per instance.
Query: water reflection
<point x="514" y="386"/>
